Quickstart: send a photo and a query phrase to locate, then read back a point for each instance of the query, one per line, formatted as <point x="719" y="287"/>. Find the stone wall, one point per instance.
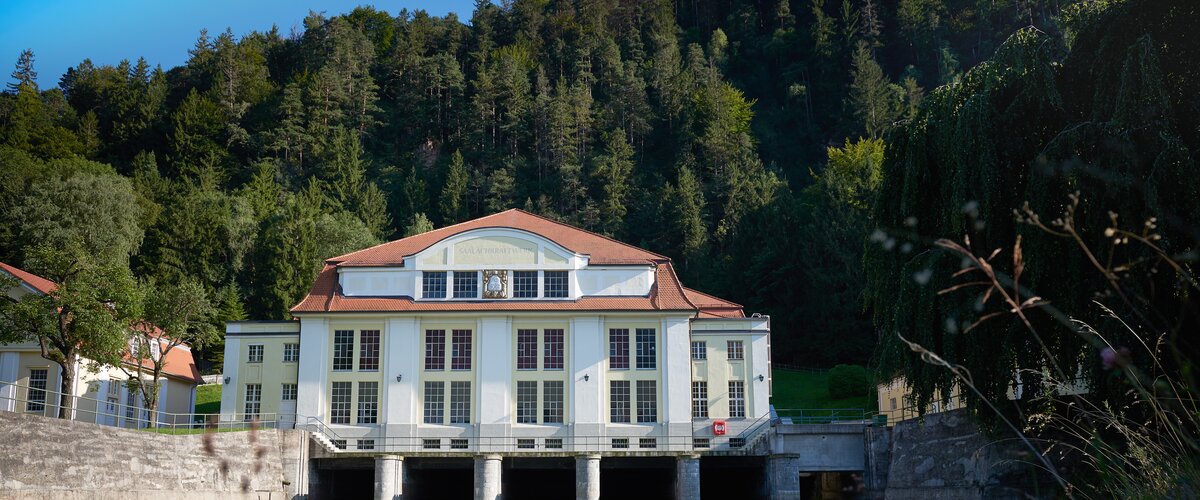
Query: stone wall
<point x="946" y="456"/>
<point x="50" y="458"/>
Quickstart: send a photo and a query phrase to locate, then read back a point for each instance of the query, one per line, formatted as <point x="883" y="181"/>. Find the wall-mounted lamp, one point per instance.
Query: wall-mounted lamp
<point x="586" y="377"/>
<point x="226" y="380"/>
<point x="760" y="377"/>
<point x="399" y="377"/>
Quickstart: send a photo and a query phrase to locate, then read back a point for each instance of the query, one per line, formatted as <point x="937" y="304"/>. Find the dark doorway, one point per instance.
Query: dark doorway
<point x="641" y="478"/>
<point x="539" y="478"/>
<point x="733" y="477"/>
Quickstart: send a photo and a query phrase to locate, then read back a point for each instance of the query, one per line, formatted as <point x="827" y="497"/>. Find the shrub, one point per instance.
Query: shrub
<point x="848" y="381"/>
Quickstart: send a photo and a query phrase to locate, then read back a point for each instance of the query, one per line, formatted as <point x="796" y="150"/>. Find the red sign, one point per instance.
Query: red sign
<point x="718" y="427"/>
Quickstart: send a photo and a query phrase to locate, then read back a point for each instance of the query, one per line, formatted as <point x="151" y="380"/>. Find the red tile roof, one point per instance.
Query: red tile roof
<point x="179" y="363"/>
<point x="600" y="250"/>
<point x="667" y="294"/>
<point x="37" y="282"/>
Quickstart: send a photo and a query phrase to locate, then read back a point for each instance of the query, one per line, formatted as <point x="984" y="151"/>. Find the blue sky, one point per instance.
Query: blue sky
<point x="62" y="33"/>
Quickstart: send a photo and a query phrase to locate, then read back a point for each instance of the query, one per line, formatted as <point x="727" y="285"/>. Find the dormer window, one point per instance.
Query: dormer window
<point x="433" y="284"/>
<point x="466" y="284"/>
<point x="555" y="284"/>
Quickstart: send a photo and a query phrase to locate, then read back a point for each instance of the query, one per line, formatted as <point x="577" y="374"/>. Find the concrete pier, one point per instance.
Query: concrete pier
<point x="587" y="477"/>
<point x="487" y="477"/>
<point x="389" y="477"/>
<point x="783" y="476"/>
<point x="687" y="477"/>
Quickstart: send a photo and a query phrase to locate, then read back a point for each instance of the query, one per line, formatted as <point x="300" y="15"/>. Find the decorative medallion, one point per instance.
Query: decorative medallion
<point x="495" y="284"/>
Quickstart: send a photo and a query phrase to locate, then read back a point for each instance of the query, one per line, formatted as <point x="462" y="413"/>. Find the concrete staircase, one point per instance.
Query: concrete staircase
<point x="324" y="441"/>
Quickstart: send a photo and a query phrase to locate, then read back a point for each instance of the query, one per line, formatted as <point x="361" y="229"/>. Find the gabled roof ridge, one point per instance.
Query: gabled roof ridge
<point x="568" y="226"/>
<point x="347" y="255"/>
<point x="674" y="278"/>
<point x="711" y="296"/>
<point x="36" y="282"/>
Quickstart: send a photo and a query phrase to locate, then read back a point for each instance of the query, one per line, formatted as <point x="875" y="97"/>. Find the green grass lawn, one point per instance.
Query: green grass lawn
<point x="809" y="390"/>
<point x="208" y="398"/>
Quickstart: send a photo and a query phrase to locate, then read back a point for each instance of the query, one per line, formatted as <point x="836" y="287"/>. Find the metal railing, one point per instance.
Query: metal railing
<point x="45" y="402"/>
<point x="823" y="415"/>
<point x="470" y="441"/>
<point x="911" y="411"/>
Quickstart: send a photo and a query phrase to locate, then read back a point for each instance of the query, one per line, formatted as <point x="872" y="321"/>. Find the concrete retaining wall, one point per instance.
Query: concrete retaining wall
<point x="50" y="458"/>
<point x="946" y="456"/>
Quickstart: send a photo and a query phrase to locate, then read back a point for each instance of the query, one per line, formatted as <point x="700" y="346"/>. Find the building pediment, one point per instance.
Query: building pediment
<point x="495" y="248"/>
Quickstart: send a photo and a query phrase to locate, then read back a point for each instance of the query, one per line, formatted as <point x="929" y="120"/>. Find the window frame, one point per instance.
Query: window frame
<point x="618" y="348"/>
<point x="35" y="397"/>
<point x="434" y="409"/>
<point x="460" y="402"/>
<point x="460" y="351"/>
<point x="649" y="343"/>
<point x="699" y="399"/>
<point x="291" y="352"/>
<point x="433" y="285"/>
<point x="460" y="280"/>
<point x="368" y="352"/>
<point x="619" y="402"/>
<point x="343" y="351"/>
<point x="735" y="350"/>
<point x="647" y="401"/>
<point x="699" y="350"/>
<point x="554" y="349"/>
<point x="553" y="408"/>
<point x="526" y="411"/>
<point x="556" y="276"/>
<point x="737" y="399"/>
<point x="368" y="409"/>
<point x="341" y="400"/>
<point x="286" y="390"/>
<point x="251" y="350"/>
<point x="522" y="282"/>
<point x="527" y="349"/>
<point x="256" y="390"/>
<point x="435" y="350"/>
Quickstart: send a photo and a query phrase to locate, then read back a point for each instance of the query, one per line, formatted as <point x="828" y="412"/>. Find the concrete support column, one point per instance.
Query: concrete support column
<point x="783" y="477"/>
<point x="587" y="477"/>
<point x="687" y="477"/>
<point x="487" y="477"/>
<point x="389" y="477"/>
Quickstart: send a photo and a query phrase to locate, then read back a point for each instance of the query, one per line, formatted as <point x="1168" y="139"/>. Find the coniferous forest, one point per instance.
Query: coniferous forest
<point x="994" y="198"/>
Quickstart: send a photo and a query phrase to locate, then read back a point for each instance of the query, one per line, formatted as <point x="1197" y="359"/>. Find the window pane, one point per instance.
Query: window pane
<point x="460" y="402"/>
<point x="343" y="350"/>
<point x="435" y="349"/>
<point x="466" y="284"/>
<point x="36" y="400"/>
<point x="460" y="356"/>
<point x="646" y="350"/>
<point x="291" y="353"/>
<point x="256" y="353"/>
<point x="647" y="401"/>
<point x="735" y="349"/>
<point x="526" y="402"/>
<point x="368" y="350"/>
<point x="554" y="349"/>
<point x="699" y="350"/>
<point x="253" y="400"/>
<point x="552" y="404"/>
<point x="289" y="392"/>
<point x="699" y="399"/>
<point x="339" y="406"/>
<point x="555" y="284"/>
<point x="618" y="395"/>
<point x="525" y="284"/>
<point x="618" y="349"/>
<point x="526" y="349"/>
<point x="434" y="402"/>
<point x="433" y="284"/>
<point x="368" y="402"/>
<point x="737" y="399"/>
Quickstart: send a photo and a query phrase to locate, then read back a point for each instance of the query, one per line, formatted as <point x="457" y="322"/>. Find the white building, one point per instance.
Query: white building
<point x="507" y="335"/>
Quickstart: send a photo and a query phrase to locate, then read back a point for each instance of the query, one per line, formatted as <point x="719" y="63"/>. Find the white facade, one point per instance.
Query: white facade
<point x="591" y="362"/>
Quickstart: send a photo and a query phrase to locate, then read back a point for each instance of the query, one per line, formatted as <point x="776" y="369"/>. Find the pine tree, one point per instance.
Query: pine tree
<point x="873" y="100"/>
<point x="613" y="173"/>
<point x="24" y="75"/>
<point x="452" y="202"/>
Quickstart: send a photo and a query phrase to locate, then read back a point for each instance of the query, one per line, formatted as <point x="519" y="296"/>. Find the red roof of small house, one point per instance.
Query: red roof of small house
<point x="667" y="293"/>
<point x="179" y="362"/>
<point x="36" y="282"/>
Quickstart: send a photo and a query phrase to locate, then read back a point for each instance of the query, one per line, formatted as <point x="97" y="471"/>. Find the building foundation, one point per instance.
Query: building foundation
<point x="783" y="477"/>
<point x="389" y="477"/>
<point x="487" y="477"/>
<point x="587" y="477"/>
<point x="687" y="477"/>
